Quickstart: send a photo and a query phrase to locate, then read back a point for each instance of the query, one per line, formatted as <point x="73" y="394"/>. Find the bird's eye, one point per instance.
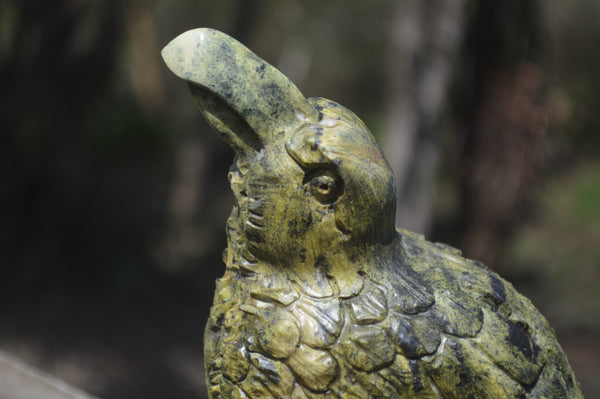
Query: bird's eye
<point x="325" y="186"/>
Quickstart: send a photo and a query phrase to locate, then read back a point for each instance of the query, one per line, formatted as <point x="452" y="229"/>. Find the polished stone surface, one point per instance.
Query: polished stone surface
<point x="322" y="296"/>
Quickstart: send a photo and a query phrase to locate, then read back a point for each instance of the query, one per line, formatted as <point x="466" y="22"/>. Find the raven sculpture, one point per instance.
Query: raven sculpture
<point x="322" y="296"/>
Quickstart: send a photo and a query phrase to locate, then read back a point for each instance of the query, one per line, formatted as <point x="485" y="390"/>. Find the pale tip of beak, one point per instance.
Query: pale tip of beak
<point x="179" y="54"/>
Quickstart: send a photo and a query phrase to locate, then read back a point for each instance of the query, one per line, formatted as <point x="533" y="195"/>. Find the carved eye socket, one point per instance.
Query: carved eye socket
<point x="325" y="186"/>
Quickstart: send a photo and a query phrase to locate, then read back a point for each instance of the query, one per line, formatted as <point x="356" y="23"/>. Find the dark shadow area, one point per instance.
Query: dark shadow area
<point x="113" y="189"/>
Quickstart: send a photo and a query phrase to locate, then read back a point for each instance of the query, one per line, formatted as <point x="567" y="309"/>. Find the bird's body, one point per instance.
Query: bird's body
<point x="322" y="297"/>
<point x="438" y="326"/>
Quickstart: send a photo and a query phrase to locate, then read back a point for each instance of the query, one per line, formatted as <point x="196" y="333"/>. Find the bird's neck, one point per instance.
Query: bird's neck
<point x="322" y="270"/>
<point x="341" y="272"/>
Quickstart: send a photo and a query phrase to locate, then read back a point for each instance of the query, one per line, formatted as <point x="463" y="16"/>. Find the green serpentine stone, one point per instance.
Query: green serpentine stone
<point x="322" y="297"/>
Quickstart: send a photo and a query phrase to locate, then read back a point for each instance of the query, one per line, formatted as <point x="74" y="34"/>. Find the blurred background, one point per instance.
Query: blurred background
<point x="113" y="190"/>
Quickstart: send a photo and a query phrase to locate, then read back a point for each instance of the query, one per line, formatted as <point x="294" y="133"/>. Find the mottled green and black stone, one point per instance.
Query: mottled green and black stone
<point x="322" y="297"/>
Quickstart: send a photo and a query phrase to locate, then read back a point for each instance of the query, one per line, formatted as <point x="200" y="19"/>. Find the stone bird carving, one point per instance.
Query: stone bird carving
<point x="322" y="297"/>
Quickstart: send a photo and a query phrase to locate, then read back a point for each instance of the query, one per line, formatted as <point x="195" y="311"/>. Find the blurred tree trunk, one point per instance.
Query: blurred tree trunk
<point x="53" y="66"/>
<point x="424" y="40"/>
<point x="502" y="119"/>
<point x="143" y="63"/>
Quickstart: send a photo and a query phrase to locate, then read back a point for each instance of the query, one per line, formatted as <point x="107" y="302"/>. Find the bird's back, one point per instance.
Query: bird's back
<point x="507" y="350"/>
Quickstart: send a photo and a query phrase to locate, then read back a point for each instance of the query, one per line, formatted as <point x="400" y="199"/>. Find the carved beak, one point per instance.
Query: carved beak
<point x="246" y="100"/>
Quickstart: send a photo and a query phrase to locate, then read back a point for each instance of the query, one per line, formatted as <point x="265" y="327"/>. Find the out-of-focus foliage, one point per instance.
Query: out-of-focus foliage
<point x="573" y="37"/>
<point x="557" y="252"/>
<point x="113" y="190"/>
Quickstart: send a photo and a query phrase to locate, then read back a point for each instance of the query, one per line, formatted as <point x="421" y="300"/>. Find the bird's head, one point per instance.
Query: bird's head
<point x="310" y="182"/>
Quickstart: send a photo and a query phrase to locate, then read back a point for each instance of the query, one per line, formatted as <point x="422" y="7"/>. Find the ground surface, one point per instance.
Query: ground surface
<point x="157" y="353"/>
